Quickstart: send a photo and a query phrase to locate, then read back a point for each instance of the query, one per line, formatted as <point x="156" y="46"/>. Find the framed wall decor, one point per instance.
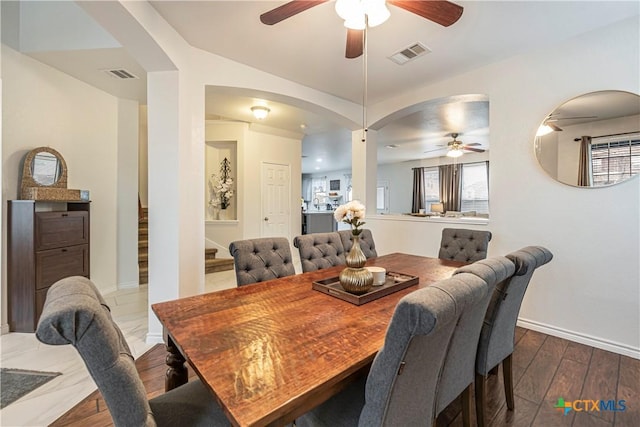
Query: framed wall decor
<point x="334" y="184"/>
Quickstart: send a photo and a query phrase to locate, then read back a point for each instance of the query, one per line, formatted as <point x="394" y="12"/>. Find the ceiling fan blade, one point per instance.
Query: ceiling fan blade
<point x="288" y="10"/>
<point x="554" y="127"/>
<point x="473" y="144"/>
<point x="355" y="43"/>
<point x="557" y="119"/>
<point x="477" y="150"/>
<point x="434" y="150"/>
<point x="441" y="12"/>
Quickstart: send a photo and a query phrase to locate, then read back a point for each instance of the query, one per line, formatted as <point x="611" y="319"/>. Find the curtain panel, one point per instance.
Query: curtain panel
<point x="584" y="163"/>
<point x="450" y="186"/>
<point x="418" y="190"/>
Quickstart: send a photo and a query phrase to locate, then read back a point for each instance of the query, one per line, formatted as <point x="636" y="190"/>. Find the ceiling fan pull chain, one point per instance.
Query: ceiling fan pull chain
<point x="365" y="80"/>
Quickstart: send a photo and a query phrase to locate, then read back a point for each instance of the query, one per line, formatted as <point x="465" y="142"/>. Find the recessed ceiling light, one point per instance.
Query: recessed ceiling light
<point x="303" y="126"/>
<point x="318" y="159"/>
<point x="392" y="146"/>
<point x="317" y="168"/>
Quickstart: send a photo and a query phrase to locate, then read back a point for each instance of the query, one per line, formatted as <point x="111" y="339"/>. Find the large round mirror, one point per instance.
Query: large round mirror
<point x="592" y="140"/>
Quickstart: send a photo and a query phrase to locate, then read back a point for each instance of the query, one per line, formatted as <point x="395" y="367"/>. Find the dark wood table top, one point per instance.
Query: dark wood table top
<point x="273" y="350"/>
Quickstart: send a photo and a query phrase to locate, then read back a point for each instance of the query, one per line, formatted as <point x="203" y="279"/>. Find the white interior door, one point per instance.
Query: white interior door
<point x="276" y="200"/>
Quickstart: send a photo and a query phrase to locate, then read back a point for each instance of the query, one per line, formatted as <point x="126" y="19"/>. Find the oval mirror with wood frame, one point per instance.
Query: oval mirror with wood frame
<point x="592" y="140"/>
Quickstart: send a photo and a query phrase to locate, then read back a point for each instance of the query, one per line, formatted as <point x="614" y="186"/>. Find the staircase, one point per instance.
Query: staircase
<point x="143" y="248"/>
<point x="211" y="263"/>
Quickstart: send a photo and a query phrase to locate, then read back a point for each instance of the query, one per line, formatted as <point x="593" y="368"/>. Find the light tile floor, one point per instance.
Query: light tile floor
<point x="48" y="402"/>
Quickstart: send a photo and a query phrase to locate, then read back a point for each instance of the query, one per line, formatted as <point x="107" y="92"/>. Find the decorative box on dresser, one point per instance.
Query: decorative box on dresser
<point x="46" y="241"/>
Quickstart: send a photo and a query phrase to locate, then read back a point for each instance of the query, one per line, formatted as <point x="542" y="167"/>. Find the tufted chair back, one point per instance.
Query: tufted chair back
<point x="495" y="345"/>
<point x="258" y="260"/>
<point x="367" y="244"/>
<point x="459" y="367"/>
<point x="463" y="245"/>
<point x="319" y="250"/>
<point x="75" y="313"/>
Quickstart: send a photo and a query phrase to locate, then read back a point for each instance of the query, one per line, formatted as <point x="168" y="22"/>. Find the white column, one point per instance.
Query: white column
<point x="176" y="185"/>
<point x="127" y="194"/>
<point x="364" y="168"/>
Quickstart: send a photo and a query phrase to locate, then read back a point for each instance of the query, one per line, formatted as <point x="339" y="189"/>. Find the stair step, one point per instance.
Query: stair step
<point x="219" y="264"/>
<point x="143" y="275"/>
<point x="210" y="253"/>
<point x="143" y="244"/>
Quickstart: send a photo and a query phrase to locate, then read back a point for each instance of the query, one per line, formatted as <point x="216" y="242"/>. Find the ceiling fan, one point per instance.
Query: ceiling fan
<point x="552" y="127"/>
<point x="441" y="12"/>
<point x="457" y="148"/>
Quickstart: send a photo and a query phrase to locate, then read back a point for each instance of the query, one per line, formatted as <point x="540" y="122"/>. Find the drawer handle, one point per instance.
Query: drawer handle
<point x="63" y="250"/>
<point x="65" y="214"/>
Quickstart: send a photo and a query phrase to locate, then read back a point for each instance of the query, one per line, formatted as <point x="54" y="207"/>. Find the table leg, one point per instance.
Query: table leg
<point x="177" y="373"/>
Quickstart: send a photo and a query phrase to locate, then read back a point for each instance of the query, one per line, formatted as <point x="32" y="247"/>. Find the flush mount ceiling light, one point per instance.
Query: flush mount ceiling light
<point x="353" y="12"/>
<point x="260" y="111"/>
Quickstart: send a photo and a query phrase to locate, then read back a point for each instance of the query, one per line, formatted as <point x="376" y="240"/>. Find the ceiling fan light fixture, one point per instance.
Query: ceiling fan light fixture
<point x="353" y="12"/>
<point x="260" y="112"/>
<point x="454" y="152"/>
<point x="544" y="129"/>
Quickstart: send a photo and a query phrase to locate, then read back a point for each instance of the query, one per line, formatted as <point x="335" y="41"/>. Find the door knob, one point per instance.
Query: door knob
<point x="266" y="218"/>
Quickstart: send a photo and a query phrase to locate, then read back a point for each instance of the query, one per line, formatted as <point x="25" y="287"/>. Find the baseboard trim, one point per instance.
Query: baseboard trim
<point x="589" y="340"/>
<point x="4" y="329"/>
<point x="154" y="338"/>
<point x="129" y="285"/>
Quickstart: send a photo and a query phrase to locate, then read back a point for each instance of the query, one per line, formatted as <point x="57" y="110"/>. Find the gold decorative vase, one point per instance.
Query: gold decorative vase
<point x="355" y="278"/>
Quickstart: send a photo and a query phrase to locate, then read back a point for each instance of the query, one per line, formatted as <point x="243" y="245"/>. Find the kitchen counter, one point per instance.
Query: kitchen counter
<point x="318" y="222"/>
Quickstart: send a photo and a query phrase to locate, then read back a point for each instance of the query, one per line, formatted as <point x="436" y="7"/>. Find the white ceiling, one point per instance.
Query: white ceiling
<point x="309" y="49"/>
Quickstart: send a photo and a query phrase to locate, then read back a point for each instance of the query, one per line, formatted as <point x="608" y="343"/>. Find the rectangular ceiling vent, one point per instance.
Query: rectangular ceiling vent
<point x="410" y="53"/>
<point x="121" y="73"/>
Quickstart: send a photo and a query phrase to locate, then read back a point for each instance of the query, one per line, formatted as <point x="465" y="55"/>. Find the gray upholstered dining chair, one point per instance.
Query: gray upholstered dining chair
<point x="367" y="244"/>
<point x="258" y="260"/>
<point x="458" y="371"/>
<point x="404" y="381"/>
<point x="319" y="250"/>
<point x="464" y="245"/>
<point x="496" y="339"/>
<point x="75" y="313"/>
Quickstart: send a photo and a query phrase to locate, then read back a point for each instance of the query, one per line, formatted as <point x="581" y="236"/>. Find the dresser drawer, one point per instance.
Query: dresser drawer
<point x="58" y="229"/>
<point x="55" y="264"/>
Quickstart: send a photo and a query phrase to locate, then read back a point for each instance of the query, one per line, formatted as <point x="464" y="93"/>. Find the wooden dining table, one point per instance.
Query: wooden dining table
<point x="271" y="351"/>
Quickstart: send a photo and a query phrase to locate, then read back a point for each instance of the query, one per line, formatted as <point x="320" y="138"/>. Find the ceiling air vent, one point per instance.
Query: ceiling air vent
<point x="409" y="53"/>
<point x="120" y="73"/>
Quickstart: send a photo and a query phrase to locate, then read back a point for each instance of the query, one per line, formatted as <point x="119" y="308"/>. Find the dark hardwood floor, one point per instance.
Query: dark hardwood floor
<point x="545" y="368"/>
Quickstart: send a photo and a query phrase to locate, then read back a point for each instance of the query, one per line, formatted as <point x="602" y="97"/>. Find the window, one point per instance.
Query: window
<point x="615" y="161"/>
<point x="431" y="178"/>
<point x="319" y="191"/>
<point x="475" y="187"/>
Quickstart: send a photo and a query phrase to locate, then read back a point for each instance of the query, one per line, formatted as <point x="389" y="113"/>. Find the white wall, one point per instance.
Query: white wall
<point x="589" y="292"/>
<point x="143" y="167"/>
<point x="44" y="107"/>
<point x="127" y="194"/>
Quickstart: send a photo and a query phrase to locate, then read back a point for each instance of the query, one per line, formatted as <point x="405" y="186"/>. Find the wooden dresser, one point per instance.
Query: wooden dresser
<point x="45" y="242"/>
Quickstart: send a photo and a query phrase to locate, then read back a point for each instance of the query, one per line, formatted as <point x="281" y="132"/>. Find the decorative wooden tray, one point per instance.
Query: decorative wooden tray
<point x="394" y="282"/>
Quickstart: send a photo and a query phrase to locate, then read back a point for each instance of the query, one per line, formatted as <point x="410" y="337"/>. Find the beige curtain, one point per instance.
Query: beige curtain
<point x="418" y="190"/>
<point x="450" y="186"/>
<point x="584" y="163"/>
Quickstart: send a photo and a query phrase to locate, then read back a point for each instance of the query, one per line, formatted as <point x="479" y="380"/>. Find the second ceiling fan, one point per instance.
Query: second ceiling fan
<point x="456" y="148"/>
<point x="357" y="13"/>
